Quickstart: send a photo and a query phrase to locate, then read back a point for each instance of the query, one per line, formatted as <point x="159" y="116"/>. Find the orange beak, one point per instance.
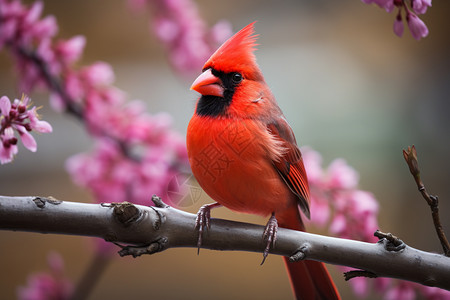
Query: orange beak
<point x="208" y="85"/>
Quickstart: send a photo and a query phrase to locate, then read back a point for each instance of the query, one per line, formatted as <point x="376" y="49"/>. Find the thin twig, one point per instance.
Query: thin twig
<point x="410" y="156"/>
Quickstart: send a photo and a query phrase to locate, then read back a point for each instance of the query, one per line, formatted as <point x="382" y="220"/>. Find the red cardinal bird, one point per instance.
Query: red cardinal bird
<point x="243" y="153"/>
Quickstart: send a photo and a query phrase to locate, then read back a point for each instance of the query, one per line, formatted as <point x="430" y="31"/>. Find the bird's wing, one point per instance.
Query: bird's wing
<point x="290" y="164"/>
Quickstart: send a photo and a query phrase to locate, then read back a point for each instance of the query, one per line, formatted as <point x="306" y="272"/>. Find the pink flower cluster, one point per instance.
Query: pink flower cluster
<point x="338" y="205"/>
<point x="336" y="201"/>
<point x="415" y="24"/>
<point x="409" y="291"/>
<point x="18" y="117"/>
<point x="178" y="26"/>
<point x="47" y="286"/>
<point x="136" y="153"/>
<point x="22" y="30"/>
<point x="113" y="177"/>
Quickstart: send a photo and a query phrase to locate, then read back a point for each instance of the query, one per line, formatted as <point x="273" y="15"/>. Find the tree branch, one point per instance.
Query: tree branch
<point x="154" y="229"/>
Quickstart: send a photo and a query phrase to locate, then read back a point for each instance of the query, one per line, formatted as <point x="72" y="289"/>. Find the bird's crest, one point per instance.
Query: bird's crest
<point x="236" y="54"/>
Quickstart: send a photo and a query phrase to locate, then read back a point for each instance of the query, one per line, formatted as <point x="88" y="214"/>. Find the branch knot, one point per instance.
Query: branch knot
<point x="126" y="213"/>
<point x="40" y="201"/>
<point x="136" y="251"/>
<point x="390" y="241"/>
<point x="300" y="254"/>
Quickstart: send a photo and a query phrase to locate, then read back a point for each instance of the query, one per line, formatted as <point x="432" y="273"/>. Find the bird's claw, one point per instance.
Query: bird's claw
<point x="270" y="235"/>
<point x="202" y="221"/>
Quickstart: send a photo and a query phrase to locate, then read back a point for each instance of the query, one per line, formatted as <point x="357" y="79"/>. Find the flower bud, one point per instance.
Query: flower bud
<point x="410" y="156"/>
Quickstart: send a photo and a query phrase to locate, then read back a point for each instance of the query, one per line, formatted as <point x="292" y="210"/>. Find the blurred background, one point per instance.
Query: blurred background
<point x="349" y="87"/>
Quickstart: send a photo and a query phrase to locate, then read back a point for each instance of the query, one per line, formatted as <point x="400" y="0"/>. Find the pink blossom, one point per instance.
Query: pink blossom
<point x="36" y="124"/>
<point x="221" y="31"/>
<point x="339" y="225"/>
<point x="30" y="76"/>
<point x="365" y="203"/>
<point x="70" y="50"/>
<point x="136" y="153"/>
<point x="7" y="30"/>
<point x="398" y="25"/>
<point x="416" y="26"/>
<point x="366" y="207"/>
<point x="18" y="117"/>
<point x="184" y="34"/>
<point x="338" y="205"/>
<point x="433" y="293"/>
<point x="355" y="215"/>
<point x="8" y="146"/>
<point x="421" y="6"/>
<point x="381" y="284"/>
<point x="320" y="210"/>
<point x="113" y="178"/>
<point x="98" y="74"/>
<point x="166" y="30"/>
<point x="74" y="86"/>
<point x="402" y="290"/>
<point x="360" y="285"/>
<point x="5" y="106"/>
<point x="313" y="164"/>
<point x="56" y="102"/>
<point x="45" y="28"/>
<point x="34" y="13"/>
<point x="47" y="53"/>
<point x="27" y="139"/>
<point x="21" y="29"/>
<point x="341" y="175"/>
<point x="352" y="213"/>
<point x="47" y="286"/>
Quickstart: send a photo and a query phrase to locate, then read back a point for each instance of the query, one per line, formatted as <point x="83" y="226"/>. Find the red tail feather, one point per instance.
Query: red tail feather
<point x="310" y="280"/>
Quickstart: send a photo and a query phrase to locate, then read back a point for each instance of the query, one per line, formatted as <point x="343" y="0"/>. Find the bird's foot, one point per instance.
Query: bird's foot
<point x="270" y="235"/>
<point x="203" y="221"/>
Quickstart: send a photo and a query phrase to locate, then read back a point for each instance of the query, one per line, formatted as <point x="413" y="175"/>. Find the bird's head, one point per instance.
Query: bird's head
<point x="231" y="82"/>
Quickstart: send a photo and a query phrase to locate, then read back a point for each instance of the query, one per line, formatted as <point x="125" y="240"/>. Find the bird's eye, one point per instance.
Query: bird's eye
<point x="236" y="77"/>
